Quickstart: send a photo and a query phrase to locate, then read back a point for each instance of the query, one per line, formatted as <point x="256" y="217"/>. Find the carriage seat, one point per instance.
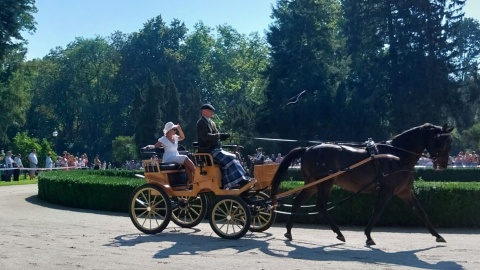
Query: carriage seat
<point x="158" y="153"/>
<point x="170" y="166"/>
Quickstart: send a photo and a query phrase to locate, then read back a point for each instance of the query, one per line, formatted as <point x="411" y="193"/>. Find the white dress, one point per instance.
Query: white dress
<point x="171" y="150"/>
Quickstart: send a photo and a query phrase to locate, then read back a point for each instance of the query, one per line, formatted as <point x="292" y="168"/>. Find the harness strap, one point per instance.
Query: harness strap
<point x="372" y="149"/>
<point x="351" y="196"/>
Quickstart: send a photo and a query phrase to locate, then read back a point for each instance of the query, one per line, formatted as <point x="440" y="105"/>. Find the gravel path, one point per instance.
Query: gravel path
<point x="38" y="235"/>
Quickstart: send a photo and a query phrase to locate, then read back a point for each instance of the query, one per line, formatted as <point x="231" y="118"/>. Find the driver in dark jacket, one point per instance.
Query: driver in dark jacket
<point x="233" y="174"/>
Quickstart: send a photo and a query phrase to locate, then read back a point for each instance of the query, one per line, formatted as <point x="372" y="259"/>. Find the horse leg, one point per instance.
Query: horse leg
<point x="412" y="201"/>
<point x="382" y="199"/>
<point x="322" y="199"/>
<point x="300" y="199"/>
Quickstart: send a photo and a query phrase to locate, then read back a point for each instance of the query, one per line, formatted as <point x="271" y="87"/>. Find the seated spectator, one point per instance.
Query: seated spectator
<point x="468" y="159"/>
<point x="268" y="160"/>
<point x="422" y="161"/>
<point x="258" y="159"/>
<point x="475" y="159"/>
<point x="428" y="163"/>
<point x="459" y="159"/>
<point x="279" y="158"/>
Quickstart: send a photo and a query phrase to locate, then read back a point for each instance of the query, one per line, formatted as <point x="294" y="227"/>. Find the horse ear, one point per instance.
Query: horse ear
<point x="446" y="129"/>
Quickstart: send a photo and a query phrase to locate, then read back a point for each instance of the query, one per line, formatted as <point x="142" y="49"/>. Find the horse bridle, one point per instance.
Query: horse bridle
<point x="431" y="156"/>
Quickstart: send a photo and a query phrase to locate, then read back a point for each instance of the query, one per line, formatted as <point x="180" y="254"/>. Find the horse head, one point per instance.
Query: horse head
<point x="438" y="145"/>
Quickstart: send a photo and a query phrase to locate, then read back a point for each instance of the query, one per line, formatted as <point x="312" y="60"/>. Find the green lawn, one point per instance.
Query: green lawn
<point x="22" y="181"/>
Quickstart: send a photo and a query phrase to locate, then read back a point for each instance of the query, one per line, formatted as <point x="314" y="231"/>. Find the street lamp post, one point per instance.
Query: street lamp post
<point x="55" y="134"/>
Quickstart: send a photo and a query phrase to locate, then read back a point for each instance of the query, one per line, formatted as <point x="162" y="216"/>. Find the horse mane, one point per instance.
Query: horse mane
<point x="406" y="134"/>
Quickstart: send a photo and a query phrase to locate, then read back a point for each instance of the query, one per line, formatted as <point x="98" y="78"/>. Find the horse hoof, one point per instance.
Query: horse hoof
<point x="441" y="240"/>
<point x="370" y="243"/>
<point x="341" y="238"/>
<point x="288" y="236"/>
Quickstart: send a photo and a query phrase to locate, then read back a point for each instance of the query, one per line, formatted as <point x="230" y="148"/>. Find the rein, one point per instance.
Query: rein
<point x="432" y="157"/>
<point x="404" y="150"/>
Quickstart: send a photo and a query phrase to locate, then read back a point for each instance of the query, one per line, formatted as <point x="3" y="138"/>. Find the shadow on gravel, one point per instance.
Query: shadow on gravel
<point x="37" y="201"/>
<point x="189" y="242"/>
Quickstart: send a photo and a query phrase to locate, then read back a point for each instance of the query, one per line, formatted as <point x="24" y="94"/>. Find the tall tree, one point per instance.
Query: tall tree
<point x="306" y="55"/>
<point x="15" y="16"/>
<point x="419" y="47"/>
<point x="401" y="54"/>
<point x="467" y="60"/>
<point x="74" y="93"/>
<point x="194" y="68"/>
<point x="365" y="92"/>
<point x="150" y="54"/>
<point x="236" y="84"/>
<point x="147" y="111"/>
<point x="15" y="98"/>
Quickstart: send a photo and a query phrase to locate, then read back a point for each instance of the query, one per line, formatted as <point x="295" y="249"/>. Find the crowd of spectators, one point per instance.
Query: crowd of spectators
<point x="68" y="161"/>
<point x="12" y="165"/>
<point x="465" y="159"/>
<point x="461" y="160"/>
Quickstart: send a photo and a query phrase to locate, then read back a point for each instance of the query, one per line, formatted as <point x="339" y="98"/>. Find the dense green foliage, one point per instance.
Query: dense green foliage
<point x="326" y="70"/>
<point x="15" y="16"/>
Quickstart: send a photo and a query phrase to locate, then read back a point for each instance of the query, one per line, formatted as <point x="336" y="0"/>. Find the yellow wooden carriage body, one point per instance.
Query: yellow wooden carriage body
<point x="208" y="177"/>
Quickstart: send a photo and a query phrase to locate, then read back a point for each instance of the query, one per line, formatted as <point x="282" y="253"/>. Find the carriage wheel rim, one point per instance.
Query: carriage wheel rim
<point x="150" y="209"/>
<point x="229" y="217"/>
<point x="261" y="218"/>
<point x="187" y="211"/>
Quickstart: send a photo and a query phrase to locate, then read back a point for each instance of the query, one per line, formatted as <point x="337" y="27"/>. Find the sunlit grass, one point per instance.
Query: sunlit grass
<point x="22" y="181"/>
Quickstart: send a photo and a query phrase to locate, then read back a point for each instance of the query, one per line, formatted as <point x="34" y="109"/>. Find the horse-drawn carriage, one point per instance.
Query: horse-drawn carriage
<point x="167" y="195"/>
<point x="386" y="168"/>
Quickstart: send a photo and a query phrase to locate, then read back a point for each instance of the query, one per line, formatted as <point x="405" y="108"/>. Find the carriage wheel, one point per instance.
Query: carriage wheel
<point x="262" y="217"/>
<point x="150" y="209"/>
<point x="188" y="212"/>
<point x="230" y="217"/>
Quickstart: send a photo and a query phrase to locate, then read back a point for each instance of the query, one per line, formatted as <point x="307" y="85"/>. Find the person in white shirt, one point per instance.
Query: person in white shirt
<point x="17" y="171"/>
<point x="18" y="160"/>
<point x="9" y="163"/>
<point x="32" y="159"/>
<point x="170" y="144"/>
<point x="48" y="161"/>
<point x="81" y="162"/>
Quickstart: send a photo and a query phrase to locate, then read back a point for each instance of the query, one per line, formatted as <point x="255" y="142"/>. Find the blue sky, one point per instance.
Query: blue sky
<point x="60" y="21"/>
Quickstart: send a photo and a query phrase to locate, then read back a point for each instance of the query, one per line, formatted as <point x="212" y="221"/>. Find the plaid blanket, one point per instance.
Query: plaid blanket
<point x="232" y="170"/>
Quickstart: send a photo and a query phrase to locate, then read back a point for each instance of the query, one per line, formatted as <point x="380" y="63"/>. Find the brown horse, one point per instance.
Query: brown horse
<point x="386" y="177"/>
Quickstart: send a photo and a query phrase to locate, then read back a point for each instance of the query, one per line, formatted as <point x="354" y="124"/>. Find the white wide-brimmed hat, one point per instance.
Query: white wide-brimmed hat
<point x="168" y="127"/>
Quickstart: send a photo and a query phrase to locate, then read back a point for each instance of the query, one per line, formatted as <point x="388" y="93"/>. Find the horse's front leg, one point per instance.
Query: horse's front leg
<point x="300" y="199"/>
<point x="383" y="198"/>
<point x="322" y="199"/>
<point x="411" y="200"/>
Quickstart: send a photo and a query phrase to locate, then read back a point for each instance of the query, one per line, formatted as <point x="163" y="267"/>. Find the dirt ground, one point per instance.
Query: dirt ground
<point x="38" y="235"/>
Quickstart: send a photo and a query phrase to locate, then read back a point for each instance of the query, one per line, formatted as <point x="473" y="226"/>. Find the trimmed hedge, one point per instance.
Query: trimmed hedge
<point x="468" y="174"/>
<point x="448" y="204"/>
<point x="88" y="189"/>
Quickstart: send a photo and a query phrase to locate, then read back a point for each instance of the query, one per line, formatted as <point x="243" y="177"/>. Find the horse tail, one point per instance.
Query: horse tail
<point x="283" y="168"/>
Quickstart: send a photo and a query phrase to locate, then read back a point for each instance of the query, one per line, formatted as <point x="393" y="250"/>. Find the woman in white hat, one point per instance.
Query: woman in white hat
<point x="170" y="144"/>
